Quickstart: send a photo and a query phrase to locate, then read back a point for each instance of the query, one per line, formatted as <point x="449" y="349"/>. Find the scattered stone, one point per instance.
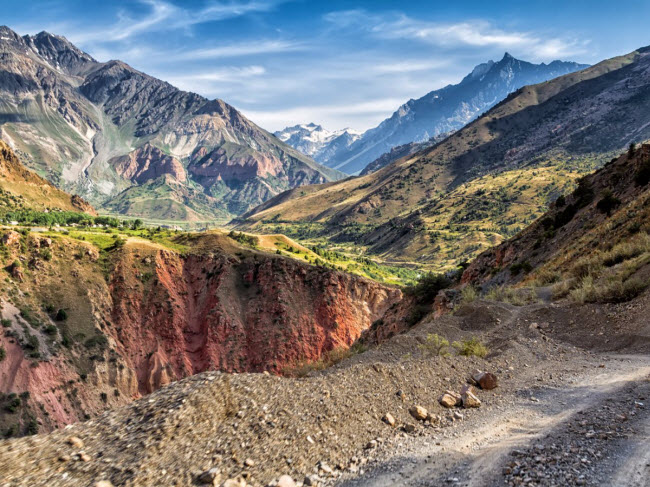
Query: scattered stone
<point x="419" y="413"/>
<point x="488" y="381"/>
<point x="84" y="457"/>
<point x="235" y="483"/>
<point x="326" y="468"/>
<point x="389" y="419"/>
<point x="64" y="458"/>
<point x="371" y="445"/>
<point x="104" y="483"/>
<point x="409" y="428"/>
<point x="458" y="415"/>
<point x="249" y="463"/>
<point x="485" y="380"/>
<point x="311" y="480"/>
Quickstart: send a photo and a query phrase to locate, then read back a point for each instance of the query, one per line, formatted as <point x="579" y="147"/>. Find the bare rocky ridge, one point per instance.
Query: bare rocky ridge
<point x="70" y="117"/>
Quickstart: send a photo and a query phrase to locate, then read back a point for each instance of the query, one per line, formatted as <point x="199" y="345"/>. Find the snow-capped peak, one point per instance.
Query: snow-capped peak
<point x="312" y="139"/>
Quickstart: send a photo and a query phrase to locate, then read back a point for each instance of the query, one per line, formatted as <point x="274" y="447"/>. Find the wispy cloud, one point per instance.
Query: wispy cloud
<point x="474" y="33"/>
<point x="163" y="15"/>
<point x="239" y="50"/>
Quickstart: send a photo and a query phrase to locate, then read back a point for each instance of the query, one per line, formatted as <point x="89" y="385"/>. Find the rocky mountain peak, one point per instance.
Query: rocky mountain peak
<point x="59" y="52"/>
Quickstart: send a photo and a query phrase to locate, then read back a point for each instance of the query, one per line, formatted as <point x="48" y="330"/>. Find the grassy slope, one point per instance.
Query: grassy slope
<point x="588" y="254"/>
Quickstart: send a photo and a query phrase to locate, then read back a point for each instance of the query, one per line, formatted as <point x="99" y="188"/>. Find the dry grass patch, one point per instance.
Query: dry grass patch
<point x="333" y="357"/>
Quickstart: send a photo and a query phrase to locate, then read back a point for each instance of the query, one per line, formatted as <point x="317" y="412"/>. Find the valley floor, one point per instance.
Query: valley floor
<point x="562" y="414"/>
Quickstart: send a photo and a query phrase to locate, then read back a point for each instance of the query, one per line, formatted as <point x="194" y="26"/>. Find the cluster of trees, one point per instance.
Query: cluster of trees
<point x="64" y="218"/>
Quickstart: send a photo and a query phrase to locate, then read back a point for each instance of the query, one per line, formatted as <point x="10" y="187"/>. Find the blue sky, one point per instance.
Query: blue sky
<point x="338" y="63"/>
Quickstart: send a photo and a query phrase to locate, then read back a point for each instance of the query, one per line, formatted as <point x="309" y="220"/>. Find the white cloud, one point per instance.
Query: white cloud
<point x="209" y="81"/>
<point x="329" y="115"/>
<point x="472" y="33"/>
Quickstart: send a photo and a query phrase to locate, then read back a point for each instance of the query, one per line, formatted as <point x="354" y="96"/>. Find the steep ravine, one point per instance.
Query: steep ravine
<point x="167" y="315"/>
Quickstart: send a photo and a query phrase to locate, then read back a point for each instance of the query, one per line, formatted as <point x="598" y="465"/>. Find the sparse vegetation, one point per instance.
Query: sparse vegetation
<point x="428" y="287"/>
<point x="516" y="296"/>
<point x="469" y="294"/>
<point x="471" y="347"/>
<point x="435" y="345"/>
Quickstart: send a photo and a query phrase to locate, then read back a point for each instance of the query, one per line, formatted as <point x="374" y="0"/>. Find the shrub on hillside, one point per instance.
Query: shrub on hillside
<point x="428" y="287"/>
<point x="435" y="345"/>
<point x="608" y="203"/>
<point x="471" y="347"/>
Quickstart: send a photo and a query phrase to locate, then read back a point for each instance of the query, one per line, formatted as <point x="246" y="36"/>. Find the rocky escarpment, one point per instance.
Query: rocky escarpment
<point x="236" y="314"/>
<point x="137" y="316"/>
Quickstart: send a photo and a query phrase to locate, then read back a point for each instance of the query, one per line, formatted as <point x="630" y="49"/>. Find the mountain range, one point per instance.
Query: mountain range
<point x="316" y="142"/>
<point x="436" y="113"/>
<point x="488" y="180"/>
<point x="134" y="144"/>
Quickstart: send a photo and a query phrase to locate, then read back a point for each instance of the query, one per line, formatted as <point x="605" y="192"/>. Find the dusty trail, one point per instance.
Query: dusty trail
<point x="477" y="454"/>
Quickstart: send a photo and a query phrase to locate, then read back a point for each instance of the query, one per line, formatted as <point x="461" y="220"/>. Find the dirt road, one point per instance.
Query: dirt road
<point x="594" y="429"/>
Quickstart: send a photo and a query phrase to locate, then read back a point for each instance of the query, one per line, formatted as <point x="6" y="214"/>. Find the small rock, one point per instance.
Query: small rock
<point x="249" y="463"/>
<point x="458" y="415"/>
<point x="234" y="483"/>
<point x="487" y="381"/>
<point x="449" y="399"/>
<point x="409" y="428"/>
<point x="64" y="458"/>
<point x="84" y="457"/>
<point x="311" y="480"/>
<point x="104" y="483"/>
<point x="286" y="481"/>
<point x="389" y="419"/>
<point x="76" y="442"/>
<point x="371" y="444"/>
<point x="419" y="413"/>
<point x="326" y="468"/>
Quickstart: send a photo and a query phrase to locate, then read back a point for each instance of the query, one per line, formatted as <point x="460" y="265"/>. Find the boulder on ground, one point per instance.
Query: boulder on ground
<point x="419" y="413"/>
<point x="469" y="400"/>
<point x="450" y="399"/>
<point x="485" y="380"/>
